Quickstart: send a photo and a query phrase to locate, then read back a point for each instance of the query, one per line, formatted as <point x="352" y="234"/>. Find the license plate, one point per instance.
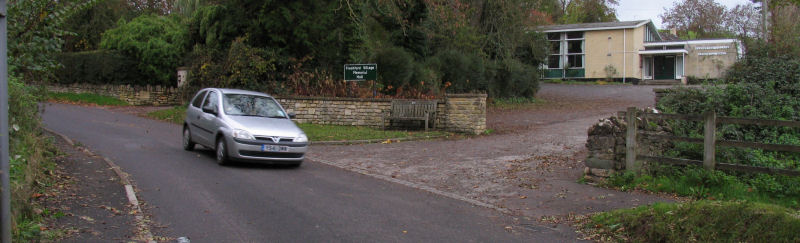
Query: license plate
<point x="274" y="148"/>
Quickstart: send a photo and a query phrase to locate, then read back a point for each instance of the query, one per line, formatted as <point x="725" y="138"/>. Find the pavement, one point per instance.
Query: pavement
<point x="87" y="200"/>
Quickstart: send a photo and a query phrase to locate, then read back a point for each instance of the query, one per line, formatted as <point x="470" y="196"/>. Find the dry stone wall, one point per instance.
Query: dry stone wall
<point x="135" y="95"/>
<point x="606" y="142"/>
<point x="464" y="113"/>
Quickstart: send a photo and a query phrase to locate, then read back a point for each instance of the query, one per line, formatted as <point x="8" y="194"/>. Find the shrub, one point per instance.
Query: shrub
<point x="241" y="66"/>
<point x="465" y="73"/>
<point x="761" y="65"/>
<point x="158" y="43"/>
<point x="513" y="79"/>
<point x="759" y="87"/>
<point x="395" y="68"/>
<point x="98" y="67"/>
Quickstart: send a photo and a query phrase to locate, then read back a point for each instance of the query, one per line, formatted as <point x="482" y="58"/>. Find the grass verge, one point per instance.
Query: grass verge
<point x="703" y="221"/>
<point x="176" y="114"/>
<point x="316" y="132"/>
<point x="513" y="103"/>
<point x="86" y="98"/>
<point x="597" y="82"/>
<point x="698" y="183"/>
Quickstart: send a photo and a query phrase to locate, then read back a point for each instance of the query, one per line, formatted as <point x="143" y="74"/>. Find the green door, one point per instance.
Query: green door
<point x="664" y="67"/>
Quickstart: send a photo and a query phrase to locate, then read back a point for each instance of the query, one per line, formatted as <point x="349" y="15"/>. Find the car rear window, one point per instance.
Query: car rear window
<point x="198" y="99"/>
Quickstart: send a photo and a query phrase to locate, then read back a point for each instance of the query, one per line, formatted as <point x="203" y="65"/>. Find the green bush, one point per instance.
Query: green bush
<point x="762" y="64"/>
<point x="98" y="67"/>
<point x="465" y="73"/>
<point x="157" y="43"/>
<point x="701" y="221"/>
<point x="30" y="157"/>
<point x="241" y="66"/>
<point x="512" y="78"/>
<point x="395" y="67"/>
<point x="760" y="87"/>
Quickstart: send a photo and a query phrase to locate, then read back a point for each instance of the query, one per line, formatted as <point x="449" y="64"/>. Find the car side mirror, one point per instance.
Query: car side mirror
<point x="292" y="115"/>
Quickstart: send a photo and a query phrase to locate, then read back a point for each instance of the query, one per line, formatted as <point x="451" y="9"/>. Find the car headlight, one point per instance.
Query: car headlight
<point x="302" y="138"/>
<point x="242" y="134"/>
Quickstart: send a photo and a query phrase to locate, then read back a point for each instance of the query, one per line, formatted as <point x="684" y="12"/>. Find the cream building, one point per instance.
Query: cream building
<point x="632" y="51"/>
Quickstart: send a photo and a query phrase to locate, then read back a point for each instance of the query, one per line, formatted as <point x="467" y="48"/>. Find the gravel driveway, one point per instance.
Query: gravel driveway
<point x="529" y="166"/>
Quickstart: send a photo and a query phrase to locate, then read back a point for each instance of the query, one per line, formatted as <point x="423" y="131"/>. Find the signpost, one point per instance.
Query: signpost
<point x="5" y="194"/>
<point x="360" y="72"/>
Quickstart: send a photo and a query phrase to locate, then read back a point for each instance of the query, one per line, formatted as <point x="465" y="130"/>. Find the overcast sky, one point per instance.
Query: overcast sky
<point x="650" y="9"/>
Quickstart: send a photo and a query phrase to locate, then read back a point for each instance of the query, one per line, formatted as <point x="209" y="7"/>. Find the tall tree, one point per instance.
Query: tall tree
<point x="702" y="17"/>
<point x="589" y="11"/>
<point x="744" y="20"/>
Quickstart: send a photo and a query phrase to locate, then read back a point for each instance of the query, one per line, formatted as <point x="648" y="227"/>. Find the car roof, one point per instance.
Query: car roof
<point x="241" y="91"/>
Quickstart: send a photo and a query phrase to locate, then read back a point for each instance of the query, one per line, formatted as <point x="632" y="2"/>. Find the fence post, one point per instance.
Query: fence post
<point x="630" y="141"/>
<point x="710" y="140"/>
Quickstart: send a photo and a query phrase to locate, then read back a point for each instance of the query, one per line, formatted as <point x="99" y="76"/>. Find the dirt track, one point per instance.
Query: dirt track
<point x="529" y="165"/>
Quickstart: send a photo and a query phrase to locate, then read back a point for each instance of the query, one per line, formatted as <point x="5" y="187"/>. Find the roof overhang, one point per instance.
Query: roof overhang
<point x="631" y="25"/>
<point x="601" y="28"/>
<point x="657" y="52"/>
<point x="693" y="42"/>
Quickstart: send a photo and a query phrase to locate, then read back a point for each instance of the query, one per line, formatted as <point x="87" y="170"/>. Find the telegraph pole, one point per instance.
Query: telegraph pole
<point x="5" y="188"/>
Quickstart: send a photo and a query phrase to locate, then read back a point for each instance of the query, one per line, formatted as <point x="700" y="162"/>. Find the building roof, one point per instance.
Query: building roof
<point x="595" y="26"/>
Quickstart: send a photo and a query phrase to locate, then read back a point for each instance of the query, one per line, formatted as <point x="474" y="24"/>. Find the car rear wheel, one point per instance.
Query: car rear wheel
<point x="188" y="145"/>
<point x="222" y="152"/>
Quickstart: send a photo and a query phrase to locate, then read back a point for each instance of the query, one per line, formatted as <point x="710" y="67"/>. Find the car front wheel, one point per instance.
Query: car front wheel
<point x="188" y="145"/>
<point x="222" y="152"/>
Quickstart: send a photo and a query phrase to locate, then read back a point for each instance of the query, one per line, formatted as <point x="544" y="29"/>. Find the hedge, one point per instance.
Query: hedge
<point x="99" y="67"/>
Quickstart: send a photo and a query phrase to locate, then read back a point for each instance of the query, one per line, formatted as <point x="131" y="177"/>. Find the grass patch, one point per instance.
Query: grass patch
<point x="703" y="221"/>
<point x="513" y="103"/>
<point x="569" y="81"/>
<point x="315" y="132"/>
<point x="86" y="98"/>
<point x="699" y="183"/>
<point x="175" y="114"/>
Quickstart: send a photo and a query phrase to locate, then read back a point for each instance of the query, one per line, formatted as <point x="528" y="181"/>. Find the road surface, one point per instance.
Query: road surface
<point x="189" y="195"/>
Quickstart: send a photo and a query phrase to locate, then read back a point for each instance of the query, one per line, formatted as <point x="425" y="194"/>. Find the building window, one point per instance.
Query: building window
<point x="566" y="48"/>
<point x="575" y="61"/>
<point x="554" y="61"/>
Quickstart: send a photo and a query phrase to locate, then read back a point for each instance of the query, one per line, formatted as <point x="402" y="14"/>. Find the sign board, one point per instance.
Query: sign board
<point x="360" y="72"/>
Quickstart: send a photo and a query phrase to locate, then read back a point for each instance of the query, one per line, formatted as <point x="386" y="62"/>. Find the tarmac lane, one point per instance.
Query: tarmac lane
<point x="188" y="194"/>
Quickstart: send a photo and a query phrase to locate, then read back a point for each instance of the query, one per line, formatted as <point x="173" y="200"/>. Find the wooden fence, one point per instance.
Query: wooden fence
<point x="633" y="161"/>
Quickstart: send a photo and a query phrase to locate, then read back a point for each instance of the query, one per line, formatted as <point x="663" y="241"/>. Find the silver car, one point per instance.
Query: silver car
<point x="243" y="125"/>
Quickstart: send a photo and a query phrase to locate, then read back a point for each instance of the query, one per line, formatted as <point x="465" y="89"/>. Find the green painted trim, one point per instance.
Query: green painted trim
<point x="554" y="73"/>
<point x="576" y="73"/>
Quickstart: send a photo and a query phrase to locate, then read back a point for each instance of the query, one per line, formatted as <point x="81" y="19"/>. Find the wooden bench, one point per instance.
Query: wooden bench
<point x="411" y="110"/>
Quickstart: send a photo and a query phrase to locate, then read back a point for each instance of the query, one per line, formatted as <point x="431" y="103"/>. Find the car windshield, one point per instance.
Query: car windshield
<point x="251" y="105"/>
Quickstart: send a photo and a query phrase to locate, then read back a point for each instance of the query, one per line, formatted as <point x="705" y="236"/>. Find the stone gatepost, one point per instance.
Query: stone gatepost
<point x="465" y="113"/>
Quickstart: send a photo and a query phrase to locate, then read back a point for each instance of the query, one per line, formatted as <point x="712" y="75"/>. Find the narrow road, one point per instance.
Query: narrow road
<point x="189" y="195"/>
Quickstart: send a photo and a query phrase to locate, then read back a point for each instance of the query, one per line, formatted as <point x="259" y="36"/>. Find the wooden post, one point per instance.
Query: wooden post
<point x="630" y="141"/>
<point x="710" y="140"/>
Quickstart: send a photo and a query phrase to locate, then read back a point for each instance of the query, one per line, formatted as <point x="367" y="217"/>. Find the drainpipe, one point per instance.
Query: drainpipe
<point x="624" y="54"/>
